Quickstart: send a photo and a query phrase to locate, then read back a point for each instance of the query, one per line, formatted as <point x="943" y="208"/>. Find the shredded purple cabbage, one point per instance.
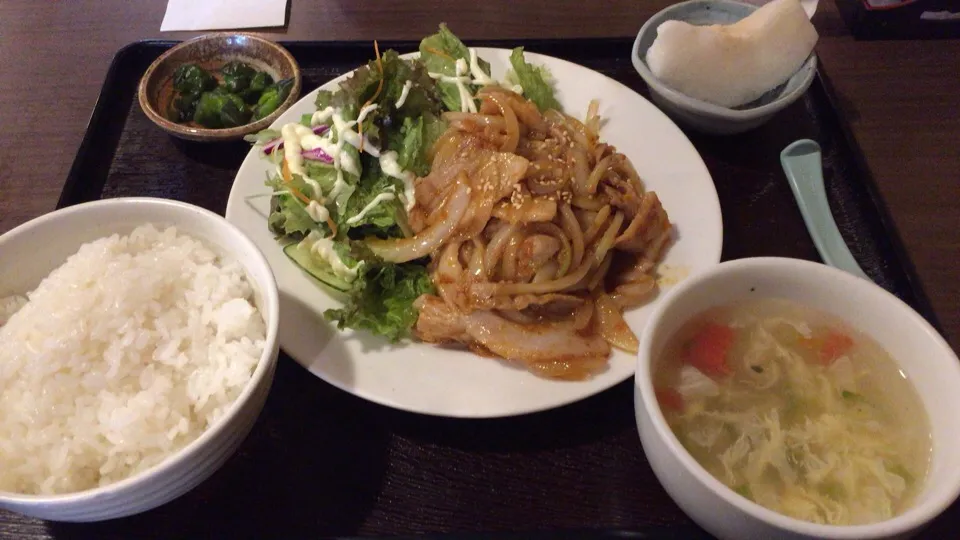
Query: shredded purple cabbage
<point x="277" y="144"/>
<point x="317" y="154"/>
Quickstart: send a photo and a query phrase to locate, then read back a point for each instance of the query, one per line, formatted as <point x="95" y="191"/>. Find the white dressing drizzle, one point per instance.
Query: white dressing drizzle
<point x="390" y="167"/>
<point x="461" y="80"/>
<point x="317" y="212"/>
<point x="292" y="149"/>
<point x="297" y="138"/>
<point x="479" y="77"/>
<point x="403" y="94"/>
<point x="323" y="248"/>
<point x="385" y="196"/>
<point x="476" y="77"/>
<point x="322" y="117"/>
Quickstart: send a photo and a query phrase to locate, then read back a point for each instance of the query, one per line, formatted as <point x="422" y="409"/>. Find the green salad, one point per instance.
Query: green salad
<point x="344" y="175"/>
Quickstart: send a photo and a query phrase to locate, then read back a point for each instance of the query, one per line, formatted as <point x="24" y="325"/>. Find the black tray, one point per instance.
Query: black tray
<point x="320" y="462"/>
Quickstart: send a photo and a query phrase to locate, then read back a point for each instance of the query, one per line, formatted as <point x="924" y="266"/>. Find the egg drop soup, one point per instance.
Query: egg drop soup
<point x="796" y="411"/>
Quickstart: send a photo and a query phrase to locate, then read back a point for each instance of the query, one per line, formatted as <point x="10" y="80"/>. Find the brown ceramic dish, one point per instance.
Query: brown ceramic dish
<point x="211" y="51"/>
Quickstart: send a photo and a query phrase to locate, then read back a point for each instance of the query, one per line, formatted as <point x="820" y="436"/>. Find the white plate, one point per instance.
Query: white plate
<point x="428" y="379"/>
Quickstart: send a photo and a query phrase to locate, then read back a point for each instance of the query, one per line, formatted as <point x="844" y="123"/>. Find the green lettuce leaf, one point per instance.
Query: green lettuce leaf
<point x="347" y="254"/>
<point x="423" y="96"/>
<point x="262" y="136"/>
<point x="381" y="221"/>
<point x="439" y="53"/>
<point x="534" y="83"/>
<point x="360" y="88"/>
<point x="323" y="173"/>
<point x="411" y="155"/>
<point x="381" y="302"/>
<point x="383" y="128"/>
<point x="288" y="218"/>
<point x="416" y="137"/>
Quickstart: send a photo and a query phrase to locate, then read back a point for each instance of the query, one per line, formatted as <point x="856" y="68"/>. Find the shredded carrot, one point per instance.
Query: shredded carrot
<point x="299" y="195"/>
<point x="376" y="50"/>
<point x="834" y="346"/>
<point x="708" y="349"/>
<point x="668" y="398"/>
<point x="287" y="177"/>
<point x="439" y="53"/>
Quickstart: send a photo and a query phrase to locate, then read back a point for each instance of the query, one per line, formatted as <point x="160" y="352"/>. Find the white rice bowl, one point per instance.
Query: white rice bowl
<point x="123" y="355"/>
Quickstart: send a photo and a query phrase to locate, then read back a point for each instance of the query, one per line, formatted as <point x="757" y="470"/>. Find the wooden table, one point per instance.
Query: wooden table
<point x="901" y="100"/>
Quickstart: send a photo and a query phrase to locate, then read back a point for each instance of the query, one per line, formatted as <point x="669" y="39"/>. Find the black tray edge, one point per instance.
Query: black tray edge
<point x="654" y="533"/>
<point x="921" y="299"/>
<point x="73" y="182"/>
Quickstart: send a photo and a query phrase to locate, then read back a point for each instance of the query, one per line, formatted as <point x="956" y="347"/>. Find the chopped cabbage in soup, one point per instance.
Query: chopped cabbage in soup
<point x="795" y="411"/>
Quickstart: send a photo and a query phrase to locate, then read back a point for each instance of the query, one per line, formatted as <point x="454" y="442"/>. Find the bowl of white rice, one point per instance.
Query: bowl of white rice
<point x="138" y="343"/>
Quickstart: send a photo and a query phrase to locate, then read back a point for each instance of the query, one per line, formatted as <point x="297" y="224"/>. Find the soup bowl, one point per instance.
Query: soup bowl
<point x="920" y="352"/>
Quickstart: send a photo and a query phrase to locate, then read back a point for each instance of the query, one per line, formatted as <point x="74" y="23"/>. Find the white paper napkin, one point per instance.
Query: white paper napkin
<point x="222" y="14"/>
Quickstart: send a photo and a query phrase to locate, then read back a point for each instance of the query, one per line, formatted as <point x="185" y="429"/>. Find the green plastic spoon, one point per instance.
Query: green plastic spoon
<point x="804" y="170"/>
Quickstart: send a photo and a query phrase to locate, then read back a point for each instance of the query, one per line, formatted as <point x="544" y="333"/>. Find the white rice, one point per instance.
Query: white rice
<point x="123" y="355"/>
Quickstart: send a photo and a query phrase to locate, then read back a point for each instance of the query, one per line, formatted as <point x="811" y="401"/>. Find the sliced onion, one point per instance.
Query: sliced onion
<point x="601" y="272"/>
<point x="555" y="285"/>
<point x="565" y="255"/>
<point x="508" y="268"/>
<point x="481" y="119"/>
<point x="583" y="315"/>
<point x="599" y="219"/>
<point x="448" y="273"/>
<point x="612" y="326"/>
<point x="572" y="228"/>
<point x="546" y="272"/>
<point x="448" y="267"/>
<point x="633" y="294"/>
<point x="476" y="267"/>
<point x="606" y="241"/>
<point x="496" y="246"/>
<point x="597" y="174"/>
<point x="647" y="204"/>
<point x="593" y="203"/>
<point x="429" y="239"/>
<point x="535" y="343"/>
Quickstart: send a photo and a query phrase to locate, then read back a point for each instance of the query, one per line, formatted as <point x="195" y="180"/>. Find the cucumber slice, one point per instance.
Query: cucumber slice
<point x="315" y="266"/>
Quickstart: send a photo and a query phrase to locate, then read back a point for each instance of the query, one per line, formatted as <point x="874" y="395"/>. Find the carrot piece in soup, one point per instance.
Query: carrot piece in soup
<point x="834" y="346"/>
<point x="708" y="349"/>
<point x="668" y="398"/>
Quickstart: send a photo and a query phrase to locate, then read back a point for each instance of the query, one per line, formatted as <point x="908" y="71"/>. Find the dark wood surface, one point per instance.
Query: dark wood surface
<point x="900" y="100"/>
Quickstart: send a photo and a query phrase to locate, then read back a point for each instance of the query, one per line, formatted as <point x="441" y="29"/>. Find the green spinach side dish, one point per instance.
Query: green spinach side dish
<point x="238" y="94"/>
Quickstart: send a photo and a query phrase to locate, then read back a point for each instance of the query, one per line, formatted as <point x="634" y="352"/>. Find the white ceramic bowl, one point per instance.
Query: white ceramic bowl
<point x="29" y="252"/>
<point x="922" y="354"/>
<point x="700" y="115"/>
